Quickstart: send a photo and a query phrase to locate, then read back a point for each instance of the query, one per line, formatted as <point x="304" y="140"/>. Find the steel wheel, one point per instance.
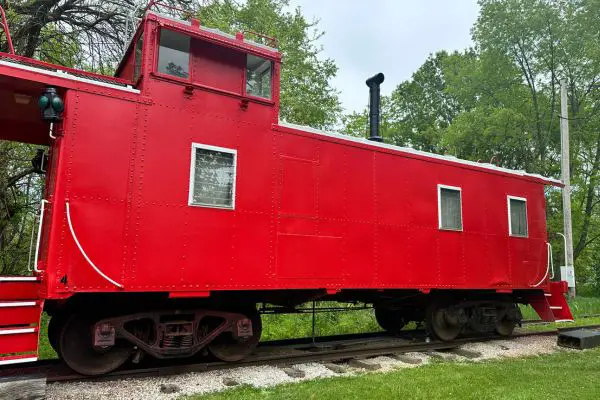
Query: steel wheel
<point x="512" y="316"/>
<point x="226" y="347"/>
<point x="442" y="323"/>
<point x="78" y="352"/>
<point x="54" y="327"/>
<point x="389" y="320"/>
<point x="505" y="327"/>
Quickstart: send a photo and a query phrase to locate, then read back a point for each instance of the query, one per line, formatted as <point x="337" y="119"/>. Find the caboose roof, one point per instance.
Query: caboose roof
<point x="213" y="31"/>
<point x="196" y="30"/>
<point x="408" y="150"/>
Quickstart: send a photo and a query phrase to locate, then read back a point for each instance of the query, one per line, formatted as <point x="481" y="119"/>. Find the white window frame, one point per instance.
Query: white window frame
<point x="439" y="190"/>
<point x="196" y="146"/>
<point x="510" y="233"/>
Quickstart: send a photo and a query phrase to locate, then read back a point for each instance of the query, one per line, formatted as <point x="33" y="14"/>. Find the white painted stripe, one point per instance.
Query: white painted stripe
<point x="564" y="320"/>
<point x="555" y="307"/>
<point x="18" y="360"/>
<point x="451" y="159"/>
<point x="66" y="75"/>
<point x="548" y="294"/>
<point x="18" y="278"/>
<point x="17" y="304"/>
<point x="16" y="331"/>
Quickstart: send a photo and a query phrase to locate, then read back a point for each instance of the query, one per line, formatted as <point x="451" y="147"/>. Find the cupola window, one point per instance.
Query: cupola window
<point x="258" y="77"/>
<point x="174" y="54"/>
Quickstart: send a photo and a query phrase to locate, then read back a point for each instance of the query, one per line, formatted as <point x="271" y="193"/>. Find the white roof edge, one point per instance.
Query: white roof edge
<point x="66" y="75"/>
<point x="213" y="30"/>
<point x="408" y="150"/>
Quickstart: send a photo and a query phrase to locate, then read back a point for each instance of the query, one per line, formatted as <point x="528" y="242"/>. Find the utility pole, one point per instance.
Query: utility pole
<point x="566" y="179"/>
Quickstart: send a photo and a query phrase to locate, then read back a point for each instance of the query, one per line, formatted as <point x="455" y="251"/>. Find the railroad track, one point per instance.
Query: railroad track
<point x="281" y="353"/>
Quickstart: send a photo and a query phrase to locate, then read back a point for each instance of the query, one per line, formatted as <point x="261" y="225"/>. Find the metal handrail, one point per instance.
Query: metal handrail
<point x="550" y="266"/>
<point x="4" y="24"/>
<point x="271" y="40"/>
<point x="39" y="235"/>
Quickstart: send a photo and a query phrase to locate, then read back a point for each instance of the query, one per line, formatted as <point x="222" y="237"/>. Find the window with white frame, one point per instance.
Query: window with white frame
<point x="212" y="176"/>
<point x="450" y="208"/>
<point x="517" y="216"/>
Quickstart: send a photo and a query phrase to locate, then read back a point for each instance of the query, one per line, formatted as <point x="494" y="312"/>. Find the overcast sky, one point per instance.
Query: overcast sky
<point x="390" y="36"/>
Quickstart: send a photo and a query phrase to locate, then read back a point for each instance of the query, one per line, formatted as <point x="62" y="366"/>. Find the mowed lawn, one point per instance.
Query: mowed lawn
<point x="572" y="374"/>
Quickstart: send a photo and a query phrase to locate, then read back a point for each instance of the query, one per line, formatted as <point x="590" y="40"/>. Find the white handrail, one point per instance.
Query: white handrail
<point x="550" y="265"/>
<point x="551" y="261"/>
<point x="39" y="236"/>
<point x="83" y="253"/>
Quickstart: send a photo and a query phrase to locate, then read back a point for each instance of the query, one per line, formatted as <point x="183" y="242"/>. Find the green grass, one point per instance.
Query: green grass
<point x="579" y="306"/>
<point x="564" y="374"/>
<point x="287" y="326"/>
<point x="45" y="350"/>
<point x="554" y="325"/>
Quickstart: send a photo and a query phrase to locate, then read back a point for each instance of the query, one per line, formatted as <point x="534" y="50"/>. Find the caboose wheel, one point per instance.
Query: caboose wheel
<point x="509" y="319"/>
<point x="505" y="327"/>
<point x="54" y="327"/>
<point x="76" y="345"/>
<point x="443" y="322"/>
<point x="227" y="347"/>
<point x="389" y="320"/>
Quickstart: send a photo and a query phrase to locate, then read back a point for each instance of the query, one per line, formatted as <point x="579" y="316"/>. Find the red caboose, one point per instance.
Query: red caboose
<point x="176" y="201"/>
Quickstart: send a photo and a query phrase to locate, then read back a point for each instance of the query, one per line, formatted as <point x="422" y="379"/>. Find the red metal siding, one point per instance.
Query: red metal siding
<point x="311" y="211"/>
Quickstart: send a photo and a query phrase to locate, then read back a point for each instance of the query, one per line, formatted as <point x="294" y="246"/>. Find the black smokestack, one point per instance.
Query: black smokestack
<point x="374" y="100"/>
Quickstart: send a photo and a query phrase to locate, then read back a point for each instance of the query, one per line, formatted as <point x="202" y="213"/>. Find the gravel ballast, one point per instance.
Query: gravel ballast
<point x="163" y="388"/>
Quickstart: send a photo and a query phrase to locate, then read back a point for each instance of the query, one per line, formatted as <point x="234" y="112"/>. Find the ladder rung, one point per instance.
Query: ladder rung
<point x="17" y="304"/>
<point x="16" y="331"/>
<point x="18" y="279"/>
<point x="15" y="340"/>
<point x="17" y="359"/>
<point x="548" y="294"/>
<point x="19" y="313"/>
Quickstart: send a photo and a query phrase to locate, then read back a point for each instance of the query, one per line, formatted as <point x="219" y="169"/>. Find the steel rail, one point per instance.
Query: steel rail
<point x="280" y="353"/>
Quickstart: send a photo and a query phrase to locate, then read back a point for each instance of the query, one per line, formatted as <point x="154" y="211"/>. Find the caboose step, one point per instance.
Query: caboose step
<point x="15" y="340"/>
<point x="19" y="288"/>
<point x="17" y="359"/>
<point x="20" y="313"/>
<point x="552" y="306"/>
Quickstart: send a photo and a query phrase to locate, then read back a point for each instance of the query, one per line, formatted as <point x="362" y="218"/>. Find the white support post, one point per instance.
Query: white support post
<point x="566" y="179"/>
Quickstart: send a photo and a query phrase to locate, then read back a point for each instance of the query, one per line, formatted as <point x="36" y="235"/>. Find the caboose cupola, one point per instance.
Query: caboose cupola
<point x="201" y="59"/>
